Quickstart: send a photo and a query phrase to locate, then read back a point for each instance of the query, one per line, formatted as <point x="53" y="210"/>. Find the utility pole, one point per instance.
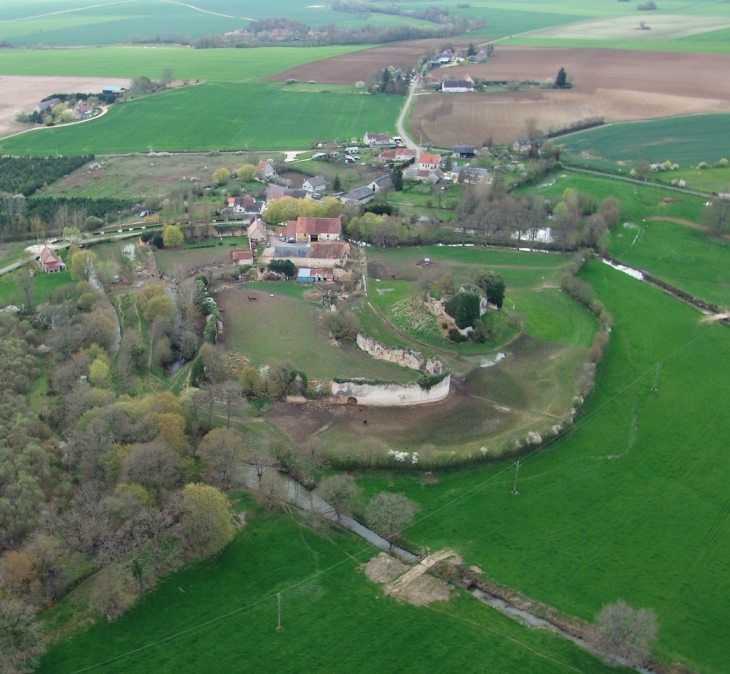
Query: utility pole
<point x="656" y="378"/>
<point x="279" y="627"/>
<point x="517" y="472"/>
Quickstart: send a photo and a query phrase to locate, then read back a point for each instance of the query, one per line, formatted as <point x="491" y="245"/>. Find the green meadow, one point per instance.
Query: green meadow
<point x="683" y="140"/>
<point x="216" y="116"/>
<point x="212" y="65"/>
<point x="631" y="503"/>
<point x="221" y="615"/>
<point x="679" y="254"/>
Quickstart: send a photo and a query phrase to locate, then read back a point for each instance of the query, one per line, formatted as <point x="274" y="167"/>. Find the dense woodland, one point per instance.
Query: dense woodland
<point x="26" y="175"/>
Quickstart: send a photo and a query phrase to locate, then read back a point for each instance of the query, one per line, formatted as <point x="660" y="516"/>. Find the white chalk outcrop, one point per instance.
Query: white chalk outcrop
<point x="389" y="395"/>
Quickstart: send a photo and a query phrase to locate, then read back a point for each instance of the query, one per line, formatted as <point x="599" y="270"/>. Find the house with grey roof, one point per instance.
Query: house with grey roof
<point x="360" y="195"/>
<point x="314" y="184"/>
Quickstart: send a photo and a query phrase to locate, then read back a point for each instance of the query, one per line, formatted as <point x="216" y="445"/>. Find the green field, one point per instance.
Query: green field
<point x="216" y="116"/>
<point x="711" y="180"/>
<point x="221" y="615"/>
<point x="683" y="140"/>
<point x="684" y="257"/>
<point x="212" y="65"/>
<point x="632" y="504"/>
<point x="43" y="285"/>
<point x="285" y="328"/>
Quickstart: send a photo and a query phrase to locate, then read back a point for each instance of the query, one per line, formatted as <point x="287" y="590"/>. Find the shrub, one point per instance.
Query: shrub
<point x="456" y="336"/>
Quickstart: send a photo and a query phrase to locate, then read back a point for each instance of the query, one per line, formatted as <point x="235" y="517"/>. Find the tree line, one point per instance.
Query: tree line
<point x="26" y="175"/>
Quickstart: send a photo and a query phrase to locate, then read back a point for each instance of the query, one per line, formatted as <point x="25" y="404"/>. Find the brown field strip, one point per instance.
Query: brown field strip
<point x="350" y="68"/>
<point x="614" y="84"/>
<point x="22" y="93"/>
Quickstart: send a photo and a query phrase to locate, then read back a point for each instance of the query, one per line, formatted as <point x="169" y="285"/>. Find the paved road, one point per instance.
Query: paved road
<point x="401" y="118"/>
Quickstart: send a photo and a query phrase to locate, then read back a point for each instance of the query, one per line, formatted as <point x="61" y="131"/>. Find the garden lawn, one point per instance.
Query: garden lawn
<point x="632" y="504"/>
<point x="221" y="614"/>
<point x="216" y="116"/>
<point x="682" y="140"/>
<point x="285" y="328"/>
<point x="43" y="286"/>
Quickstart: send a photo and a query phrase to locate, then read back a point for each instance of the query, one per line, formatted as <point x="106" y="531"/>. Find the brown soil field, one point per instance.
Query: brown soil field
<point x="614" y="84"/>
<point x="350" y="68"/>
<point x="22" y="93"/>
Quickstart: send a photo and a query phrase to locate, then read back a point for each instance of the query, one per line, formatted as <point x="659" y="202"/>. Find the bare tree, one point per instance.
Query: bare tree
<point x="228" y="395"/>
<point x="25" y="285"/>
<point x="626" y="632"/>
<point x="389" y="514"/>
<point x="21" y="637"/>
<point x="152" y="465"/>
<point x="718" y="213"/>
<point x="341" y="493"/>
<point x="271" y="490"/>
<point x="223" y="452"/>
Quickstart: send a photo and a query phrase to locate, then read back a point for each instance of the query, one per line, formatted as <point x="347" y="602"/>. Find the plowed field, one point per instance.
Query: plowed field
<point x="616" y="85"/>
<point x="349" y="68"/>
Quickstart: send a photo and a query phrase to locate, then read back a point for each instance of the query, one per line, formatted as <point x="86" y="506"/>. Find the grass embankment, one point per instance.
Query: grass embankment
<point x="632" y="503"/>
<point x="217" y="116"/>
<point x="686" y="257"/>
<point x="220" y="616"/>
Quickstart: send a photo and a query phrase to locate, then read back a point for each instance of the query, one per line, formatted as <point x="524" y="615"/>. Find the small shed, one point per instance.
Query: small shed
<point x="304" y="275"/>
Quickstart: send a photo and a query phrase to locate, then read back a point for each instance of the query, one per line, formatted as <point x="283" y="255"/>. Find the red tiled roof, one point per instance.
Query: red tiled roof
<point x="327" y="250"/>
<point x="306" y="225"/>
<point x="49" y="258"/>
<point x="426" y="158"/>
<point x="237" y="254"/>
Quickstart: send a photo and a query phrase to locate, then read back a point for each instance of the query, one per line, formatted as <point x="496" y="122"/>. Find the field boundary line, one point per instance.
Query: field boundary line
<point x="206" y="11"/>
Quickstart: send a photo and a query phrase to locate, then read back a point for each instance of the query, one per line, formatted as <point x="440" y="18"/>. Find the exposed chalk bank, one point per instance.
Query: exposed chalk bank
<point x="399" y="355"/>
<point x="389" y="395"/>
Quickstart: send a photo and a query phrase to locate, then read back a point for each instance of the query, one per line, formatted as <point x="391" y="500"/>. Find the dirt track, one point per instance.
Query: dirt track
<point x="22" y="93"/>
<point x="349" y="68"/>
<point x="617" y="85"/>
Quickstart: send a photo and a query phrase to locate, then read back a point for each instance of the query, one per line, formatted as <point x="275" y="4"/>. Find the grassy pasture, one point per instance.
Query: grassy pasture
<point x="712" y="180"/>
<point x="286" y="328"/>
<point x="681" y="255"/>
<point x="216" y="116"/>
<point x="631" y="504"/>
<point x="682" y="140"/>
<point x="220" y="616"/>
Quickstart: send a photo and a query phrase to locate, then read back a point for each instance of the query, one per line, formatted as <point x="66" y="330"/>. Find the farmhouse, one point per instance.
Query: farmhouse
<point x="381" y="184"/>
<point x="314" y="184"/>
<point x="463" y="151"/>
<point x="43" y="106"/>
<point x="274" y="192"/>
<point x="265" y="170"/>
<point x="522" y="145"/>
<point x="82" y="108"/>
<point x="239" y="204"/>
<point x="257" y="231"/>
<point x="457" y="86"/>
<point x="50" y="262"/>
<point x="316" y="255"/>
<point x="310" y="230"/>
<point x="398" y="155"/>
<point x="468" y="175"/>
<point x="429" y="162"/>
<point x="377" y="139"/>
<point x="240" y="256"/>
<point x="425" y="176"/>
<point x="360" y="195"/>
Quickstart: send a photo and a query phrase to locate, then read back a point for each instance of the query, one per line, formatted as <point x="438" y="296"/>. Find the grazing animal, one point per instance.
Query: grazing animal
<point x="252" y="299"/>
